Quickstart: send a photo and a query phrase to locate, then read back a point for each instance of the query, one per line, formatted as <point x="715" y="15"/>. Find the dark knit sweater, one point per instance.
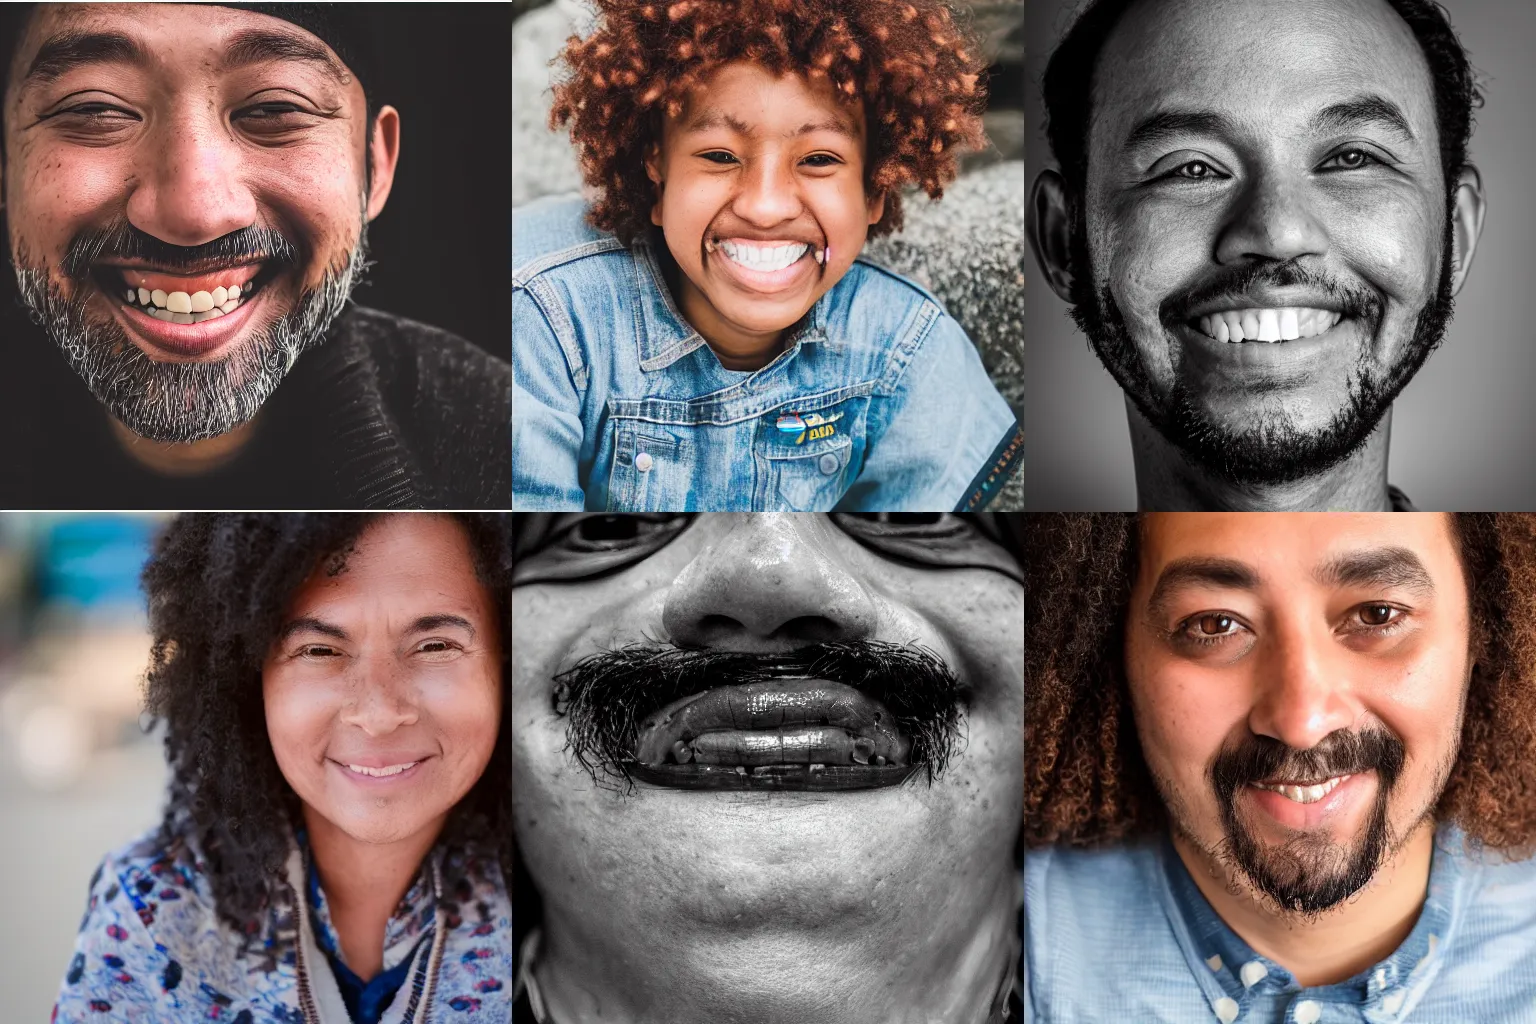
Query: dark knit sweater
<point x="387" y="413"/>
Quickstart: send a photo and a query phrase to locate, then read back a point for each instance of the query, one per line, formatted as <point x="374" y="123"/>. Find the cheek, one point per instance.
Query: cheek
<point x="1420" y="701"/>
<point x="466" y="708"/>
<point x="1183" y="713"/>
<point x="1146" y="250"/>
<point x="1393" y="239"/>
<point x="55" y="191"/>
<point x="298" y="718"/>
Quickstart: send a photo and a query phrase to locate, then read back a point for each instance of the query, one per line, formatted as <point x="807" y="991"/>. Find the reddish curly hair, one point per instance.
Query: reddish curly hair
<point x="916" y="70"/>
<point x="1085" y="780"/>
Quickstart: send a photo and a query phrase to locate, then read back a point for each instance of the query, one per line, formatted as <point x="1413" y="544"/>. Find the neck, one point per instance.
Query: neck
<point x="1338" y="944"/>
<point x="173" y="458"/>
<point x="939" y="959"/>
<point x="364" y="883"/>
<point x="736" y="348"/>
<point x="1166" y="481"/>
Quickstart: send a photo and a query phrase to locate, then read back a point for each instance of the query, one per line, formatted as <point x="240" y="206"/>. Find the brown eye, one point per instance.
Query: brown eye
<point x="1377" y="614"/>
<point x="1215" y="625"/>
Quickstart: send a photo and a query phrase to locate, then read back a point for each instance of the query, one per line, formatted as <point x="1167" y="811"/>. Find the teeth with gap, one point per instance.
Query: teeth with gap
<point x="1270" y="325"/>
<point x="379" y="773"/>
<point x="764" y="258"/>
<point x="182" y="308"/>
<point x="1305" y="794"/>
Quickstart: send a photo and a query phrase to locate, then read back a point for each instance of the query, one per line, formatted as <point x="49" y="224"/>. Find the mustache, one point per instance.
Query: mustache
<point x="1261" y="758"/>
<point x="605" y="696"/>
<point x="121" y="240"/>
<point x="1234" y="281"/>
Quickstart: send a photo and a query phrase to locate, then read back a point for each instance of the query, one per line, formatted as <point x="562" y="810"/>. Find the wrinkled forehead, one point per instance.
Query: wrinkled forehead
<point x="172" y="42"/>
<point x="1265" y="68"/>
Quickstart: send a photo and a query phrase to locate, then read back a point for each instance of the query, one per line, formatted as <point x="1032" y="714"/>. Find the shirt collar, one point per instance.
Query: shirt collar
<point x="665" y="337"/>
<point x="1231" y="974"/>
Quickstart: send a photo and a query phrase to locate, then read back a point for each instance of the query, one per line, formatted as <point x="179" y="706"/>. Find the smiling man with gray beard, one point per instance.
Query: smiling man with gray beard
<point x="187" y="193"/>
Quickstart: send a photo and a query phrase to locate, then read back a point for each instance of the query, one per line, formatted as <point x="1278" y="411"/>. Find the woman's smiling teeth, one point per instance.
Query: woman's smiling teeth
<point x="1267" y="324"/>
<point x="1304" y="794"/>
<point x="182" y="308"/>
<point x="379" y="773"/>
<point x="762" y="258"/>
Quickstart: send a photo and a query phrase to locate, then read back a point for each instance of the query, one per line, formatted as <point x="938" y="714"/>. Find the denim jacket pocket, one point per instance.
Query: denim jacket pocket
<point x="652" y="470"/>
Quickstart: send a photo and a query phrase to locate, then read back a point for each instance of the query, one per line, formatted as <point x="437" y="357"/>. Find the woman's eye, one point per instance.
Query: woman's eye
<point x="718" y="157"/>
<point x="1351" y="160"/>
<point x="821" y="160"/>
<point x="1215" y="625"/>
<point x="318" y="651"/>
<point x="436" y="647"/>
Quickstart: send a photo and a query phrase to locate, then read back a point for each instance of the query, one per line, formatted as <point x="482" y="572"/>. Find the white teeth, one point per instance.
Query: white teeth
<point x="181" y="318"/>
<point x="764" y="258"/>
<point x="178" y="302"/>
<point x="144" y="296"/>
<point x="202" y="302"/>
<point x="1305" y="794"/>
<point x="380" y="773"/>
<point x="158" y="298"/>
<point x="181" y="308"/>
<point x="234" y="291"/>
<point x="220" y="296"/>
<point x="1269" y="325"/>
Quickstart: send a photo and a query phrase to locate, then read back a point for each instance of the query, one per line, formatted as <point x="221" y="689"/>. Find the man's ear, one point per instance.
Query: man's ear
<point x="1468" y="208"/>
<point x="1049" y="227"/>
<point x="653" y="171"/>
<point x="384" y="150"/>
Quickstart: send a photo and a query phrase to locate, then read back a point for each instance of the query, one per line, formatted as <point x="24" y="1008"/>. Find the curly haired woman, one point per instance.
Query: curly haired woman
<point x="705" y="334"/>
<point x="1287" y="759"/>
<point x="337" y="840"/>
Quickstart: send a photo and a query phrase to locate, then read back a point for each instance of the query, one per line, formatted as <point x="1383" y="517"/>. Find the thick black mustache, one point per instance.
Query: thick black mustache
<point x="123" y="241"/>
<point x="1359" y="303"/>
<point x="1260" y="758"/>
<point x="605" y="696"/>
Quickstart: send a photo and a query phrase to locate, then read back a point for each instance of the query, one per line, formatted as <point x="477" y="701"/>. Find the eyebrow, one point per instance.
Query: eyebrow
<point x="1379" y="567"/>
<point x="310" y="624"/>
<point x="1171" y="124"/>
<point x="707" y="119"/>
<point x="1360" y="113"/>
<point x="258" y="46"/>
<point x="67" y="51"/>
<point x="430" y="622"/>
<point x="1196" y="571"/>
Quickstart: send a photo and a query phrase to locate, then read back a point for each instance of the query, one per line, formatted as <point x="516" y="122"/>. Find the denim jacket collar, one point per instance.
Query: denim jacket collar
<point x="1230" y="973"/>
<point x="664" y="336"/>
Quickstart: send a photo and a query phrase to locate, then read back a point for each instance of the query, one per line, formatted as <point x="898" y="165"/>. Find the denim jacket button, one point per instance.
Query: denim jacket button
<point x="828" y="463"/>
<point x="644" y="462"/>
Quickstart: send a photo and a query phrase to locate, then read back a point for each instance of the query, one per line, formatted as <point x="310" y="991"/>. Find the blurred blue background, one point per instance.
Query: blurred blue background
<point x="78" y="773"/>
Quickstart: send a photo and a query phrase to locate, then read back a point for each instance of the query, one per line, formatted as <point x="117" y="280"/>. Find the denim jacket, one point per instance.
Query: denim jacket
<point x="879" y="401"/>
<point x="1124" y="934"/>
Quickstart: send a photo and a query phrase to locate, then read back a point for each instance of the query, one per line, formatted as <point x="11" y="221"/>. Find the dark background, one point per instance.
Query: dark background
<point x="1462" y="431"/>
<point x="443" y="245"/>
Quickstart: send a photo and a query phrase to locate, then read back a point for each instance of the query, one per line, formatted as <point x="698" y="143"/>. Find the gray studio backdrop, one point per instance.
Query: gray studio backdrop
<point x="1463" y="433"/>
<point x="968" y="248"/>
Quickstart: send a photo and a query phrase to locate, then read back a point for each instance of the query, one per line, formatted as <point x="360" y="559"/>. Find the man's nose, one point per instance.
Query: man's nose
<point x="382" y="698"/>
<point x="767" y="196"/>
<point x="190" y="188"/>
<point x="1303" y="689"/>
<point x="1273" y="220"/>
<point x="771" y="582"/>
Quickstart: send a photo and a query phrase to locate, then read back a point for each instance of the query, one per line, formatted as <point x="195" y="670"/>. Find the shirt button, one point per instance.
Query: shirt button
<point x="644" y="462"/>
<point x="1308" y="1012"/>
<point x="1226" y="1010"/>
<point x="829" y="464"/>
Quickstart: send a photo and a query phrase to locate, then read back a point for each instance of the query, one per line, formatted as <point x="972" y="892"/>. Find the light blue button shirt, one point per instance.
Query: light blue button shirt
<point x="1123" y="935"/>
<point x="878" y="403"/>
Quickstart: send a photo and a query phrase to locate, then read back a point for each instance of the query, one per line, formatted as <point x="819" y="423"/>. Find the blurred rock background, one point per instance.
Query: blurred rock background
<point x="968" y="248"/>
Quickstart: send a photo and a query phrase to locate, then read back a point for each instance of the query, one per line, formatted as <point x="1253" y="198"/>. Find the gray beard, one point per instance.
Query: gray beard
<point x="185" y="402"/>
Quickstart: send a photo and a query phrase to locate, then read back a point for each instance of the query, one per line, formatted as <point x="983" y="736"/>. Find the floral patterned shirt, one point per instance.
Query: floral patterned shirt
<point x="151" y="949"/>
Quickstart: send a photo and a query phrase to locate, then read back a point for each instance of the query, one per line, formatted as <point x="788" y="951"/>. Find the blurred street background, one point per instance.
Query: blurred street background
<point x="78" y="776"/>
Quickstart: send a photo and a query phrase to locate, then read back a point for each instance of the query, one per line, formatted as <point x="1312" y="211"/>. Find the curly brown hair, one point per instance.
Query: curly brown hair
<point x="1085" y="779"/>
<point x="917" y="71"/>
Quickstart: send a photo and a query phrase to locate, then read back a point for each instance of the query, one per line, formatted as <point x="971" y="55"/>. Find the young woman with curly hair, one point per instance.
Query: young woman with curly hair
<point x="1289" y="759"/>
<point x="337" y="842"/>
<point x="704" y="334"/>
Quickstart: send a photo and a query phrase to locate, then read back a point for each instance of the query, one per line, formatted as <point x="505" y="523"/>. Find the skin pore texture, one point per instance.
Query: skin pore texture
<point x="881" y="905"/>
<point x="1247" y="156"/>
<point x="766" y="162"/>
<point x="394" y="660"/>
<point x="1245" y="629"/>
<point x="210" y="122"/>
